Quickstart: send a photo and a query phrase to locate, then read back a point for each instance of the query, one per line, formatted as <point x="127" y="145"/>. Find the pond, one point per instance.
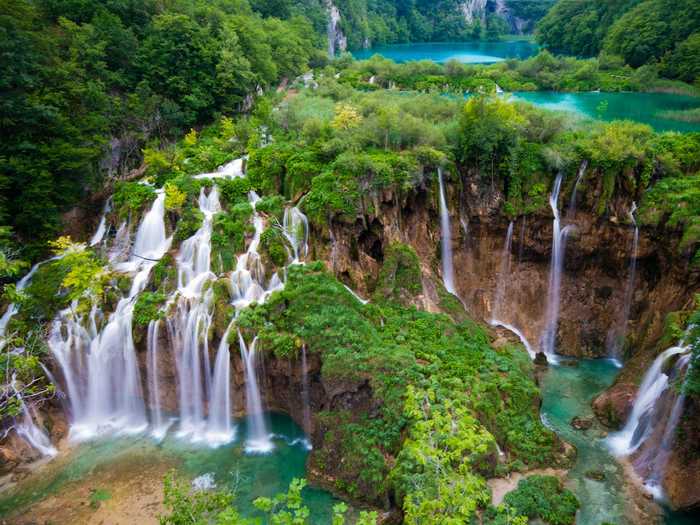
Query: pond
<point x="105" y="464"/>
<point x="466" y="52"/>
<point x="654" y="109"/>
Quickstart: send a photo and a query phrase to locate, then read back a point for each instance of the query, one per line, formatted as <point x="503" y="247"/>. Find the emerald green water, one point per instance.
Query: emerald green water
<point x="567" y="391"/>
<point x="250" y="476"/>
<point x="647" y="108"/>
<point x="465" y="52"/>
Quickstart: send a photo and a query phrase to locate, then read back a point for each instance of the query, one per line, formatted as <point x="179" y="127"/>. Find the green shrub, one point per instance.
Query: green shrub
<point x="148" y="307"/>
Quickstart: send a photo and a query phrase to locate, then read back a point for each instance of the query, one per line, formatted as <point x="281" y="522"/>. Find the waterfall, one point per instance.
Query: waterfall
<point x="655" y="480"/>
<point x="639" y="422"/>
<point x="259" y="439"/>
<point x="360" y="299"/>
<point x="571" y="214"/>
<point x="220" y="428"/>
<point x="616" y="336"/>
<point x="102" y="226"/>
<point x="549" y="335"/>
<point x="518" y="333"/>
<point x="305" y="391"/>
<point x="446" y="241"/>
<point x="159" y="428"/>
<point x="100" y="368"/>
<point x="295" y="227"/>
<point x="28" y="430"/>
<point x="503" y="275"/>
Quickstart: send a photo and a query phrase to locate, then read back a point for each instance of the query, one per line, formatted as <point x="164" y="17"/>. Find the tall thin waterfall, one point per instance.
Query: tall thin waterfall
<point x="220" y="428"/>
<point x="190" y="325"/>
<point x="571" y="213"/>
<point x="102" y="226"/>
<point x="446" y="242"/>
<point x="639" y="422"/>
<point x="295" y="226"/>
<point x="157" y="423"/>
<point x="259" y="438"/>
<point x="100" y="368"/>
<point x="305" y="391"/>
<point x="616" y="336"/>
<point x="503" y="275"/>
<point x="549" y="335"/>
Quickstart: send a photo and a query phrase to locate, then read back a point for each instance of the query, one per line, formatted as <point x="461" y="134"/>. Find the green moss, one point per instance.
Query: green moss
<point x="400" y="276"/>
<point x="234" y="191"/>
<point x="165" y="273"/>
<point x="148" y="308"/>
<point x="229" y="235"/>
<point x="189" y="222"/>
<point x="274" y="246"/>
<point x="272" y="205"/>
<point x="132" y="197"/>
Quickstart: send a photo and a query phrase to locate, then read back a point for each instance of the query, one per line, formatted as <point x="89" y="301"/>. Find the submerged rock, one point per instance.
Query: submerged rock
<point x="581" y="423"/>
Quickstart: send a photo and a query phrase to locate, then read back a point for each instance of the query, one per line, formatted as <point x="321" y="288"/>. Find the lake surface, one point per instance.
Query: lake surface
<point x="465" y="52"/>
<point x="647" y="108"/>
<point x="249" y="475"/>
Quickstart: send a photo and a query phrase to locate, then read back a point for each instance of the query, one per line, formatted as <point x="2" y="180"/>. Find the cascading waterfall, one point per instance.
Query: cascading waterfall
<point x="27" y="429"/>
<point x="100" y="368"/>
<point x="503" y="275"/>
<point x="220" y="429"/>
<point x="662" y="455"/>
<point x="549" y="335"/>
<point x="639" y="423"/>
<point x="446" y="241"/>
<point x="102" y="226"/>
<point x="157" y="423"/>
<point x="259" y="438"/>
<point x="295" y="227"/>
<point x="616" y="336"/>
<point x="189" y="327"/>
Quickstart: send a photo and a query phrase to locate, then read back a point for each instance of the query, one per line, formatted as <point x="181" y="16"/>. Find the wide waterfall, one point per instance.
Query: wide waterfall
<point x="549" y="335"/>
<point x="639" y="423"/>
<point x="446" y="241"/>
<point x="99" y="367"/>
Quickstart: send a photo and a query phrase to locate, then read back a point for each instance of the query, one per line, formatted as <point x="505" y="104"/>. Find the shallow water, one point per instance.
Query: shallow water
<point x="567" y="391"/>
<point x="249" y="475"/>
<point x="465" y="52"/>
<point x="646" y="108"/>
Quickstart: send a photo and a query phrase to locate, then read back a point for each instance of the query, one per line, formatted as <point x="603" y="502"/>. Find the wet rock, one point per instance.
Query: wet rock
<point x="581" y="423"/>
<point x="613" y="406"/>
<point x="596" y="475"/>
<point x="541" y="359"/>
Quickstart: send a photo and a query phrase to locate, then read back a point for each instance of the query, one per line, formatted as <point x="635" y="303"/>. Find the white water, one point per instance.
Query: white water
<point x="157" y="423"/>
<point x="259" y="437"/>
<point x="446" y="242"/>
<point x="102" y="226"/>
<point x="654" y="482"/>
<point x="221" y="429"/>
<point x="28" y="430"/>
<point x="518" y="333"/>
<point x="228" y="171"/>
<point x="571" y="213"/>
<point x="295" y="227"/>
<point x="504" y="274"/>
<point x="352" y="292"/>
<point x="616" y="337"/>
<point x="12" y="308"/>
<point x="549" y="335"/>
<point x="638" y="426"/>
<point x="99" y="367"/>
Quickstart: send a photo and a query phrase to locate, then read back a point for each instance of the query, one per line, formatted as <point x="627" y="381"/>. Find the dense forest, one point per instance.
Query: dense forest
<point x="656" y="33"/>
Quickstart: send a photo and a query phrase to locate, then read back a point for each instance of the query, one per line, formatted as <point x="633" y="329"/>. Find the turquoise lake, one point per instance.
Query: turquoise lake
<point x="465" y="52"/>
<point x="648" y="108"/>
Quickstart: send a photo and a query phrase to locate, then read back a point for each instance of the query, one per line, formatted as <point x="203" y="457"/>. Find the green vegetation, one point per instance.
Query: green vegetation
<point x="400" y="277"/>
<point x="77" y="74"/>
<point x="199" y="507"/>
<point x="440" y="395"/>
<point x="148" y="307"/>
<point x="132" y="198"/>
<point x="660" y="35"/>
<point x="538" y="497"/>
